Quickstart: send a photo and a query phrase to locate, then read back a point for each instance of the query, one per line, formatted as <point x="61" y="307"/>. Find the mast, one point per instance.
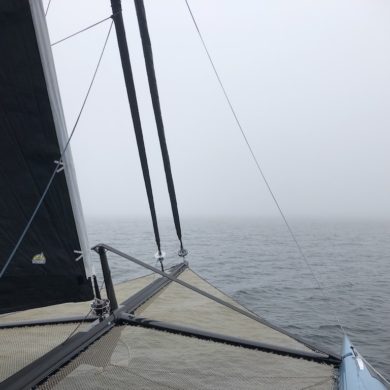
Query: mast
<point x="132" y="97"/>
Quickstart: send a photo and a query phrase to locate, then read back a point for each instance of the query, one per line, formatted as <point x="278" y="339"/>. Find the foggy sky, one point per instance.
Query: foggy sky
<point x="309" y="80"/>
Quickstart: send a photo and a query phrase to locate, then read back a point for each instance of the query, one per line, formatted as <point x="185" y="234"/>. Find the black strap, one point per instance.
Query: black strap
<point x="148" y="55"/>
<point x="131" y="94"/>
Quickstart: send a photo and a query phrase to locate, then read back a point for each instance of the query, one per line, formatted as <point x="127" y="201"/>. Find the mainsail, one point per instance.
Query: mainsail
<point x="51" y="265"/>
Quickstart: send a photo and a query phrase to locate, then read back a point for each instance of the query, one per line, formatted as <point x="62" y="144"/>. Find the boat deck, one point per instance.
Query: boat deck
<point x="138" y="357"/>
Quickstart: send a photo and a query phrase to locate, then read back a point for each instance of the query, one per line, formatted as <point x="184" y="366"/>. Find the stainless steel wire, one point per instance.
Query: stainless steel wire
<point x="260" y="170"/>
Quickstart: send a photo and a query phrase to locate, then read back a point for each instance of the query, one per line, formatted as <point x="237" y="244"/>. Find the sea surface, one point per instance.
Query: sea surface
<point x="256" y="262"/>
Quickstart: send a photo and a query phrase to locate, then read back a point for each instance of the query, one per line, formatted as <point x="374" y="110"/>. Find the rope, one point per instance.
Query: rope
<point x="59" y="162"/>
<point x="81" y="31"/>
<point x="148" y="56"/>
<point x="292" y="234"/>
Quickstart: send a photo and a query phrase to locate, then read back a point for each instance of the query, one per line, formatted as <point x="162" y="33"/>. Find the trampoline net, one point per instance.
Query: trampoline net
<point x="179" y="305"/>
<point x="20" y="346"/>
<point x="141" y="358"/>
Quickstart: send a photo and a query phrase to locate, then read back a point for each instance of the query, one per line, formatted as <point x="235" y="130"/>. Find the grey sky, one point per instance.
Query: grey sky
<point x="310" y="82"/>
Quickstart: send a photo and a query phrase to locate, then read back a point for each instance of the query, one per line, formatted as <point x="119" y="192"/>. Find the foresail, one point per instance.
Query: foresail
<point x="51" y="265"/>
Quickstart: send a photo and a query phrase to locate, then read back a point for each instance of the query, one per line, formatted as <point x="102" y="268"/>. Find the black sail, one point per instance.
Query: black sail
<point x="51" y="263"/>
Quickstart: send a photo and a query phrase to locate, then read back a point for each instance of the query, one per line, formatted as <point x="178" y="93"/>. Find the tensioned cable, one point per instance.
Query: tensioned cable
<point x="257" y="162"/>
<point x="47" y="8"/>
<point x="81" y="31"/>
<point x="148" y="56"/>
<point x="59" y="162"/>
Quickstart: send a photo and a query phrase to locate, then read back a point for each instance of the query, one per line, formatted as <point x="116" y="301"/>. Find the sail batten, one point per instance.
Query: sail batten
<point x="46" y="268"/>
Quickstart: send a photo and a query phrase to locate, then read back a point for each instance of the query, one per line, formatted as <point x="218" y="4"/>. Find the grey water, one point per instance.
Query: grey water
<point x="256" y="262"/>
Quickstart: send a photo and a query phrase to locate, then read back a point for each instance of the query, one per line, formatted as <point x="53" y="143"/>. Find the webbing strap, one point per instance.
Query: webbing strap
<point x="132" y="97"/>
<point x="148" y="55"/>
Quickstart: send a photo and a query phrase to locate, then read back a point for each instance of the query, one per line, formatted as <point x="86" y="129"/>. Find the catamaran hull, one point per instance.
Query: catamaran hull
<point x="354" y="372"/>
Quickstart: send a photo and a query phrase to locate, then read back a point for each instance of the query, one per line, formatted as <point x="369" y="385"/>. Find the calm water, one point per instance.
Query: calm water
<point x="256" y="262"/>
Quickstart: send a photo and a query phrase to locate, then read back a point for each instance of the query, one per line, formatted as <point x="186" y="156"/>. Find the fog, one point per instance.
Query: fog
<point x="310" y="83"/>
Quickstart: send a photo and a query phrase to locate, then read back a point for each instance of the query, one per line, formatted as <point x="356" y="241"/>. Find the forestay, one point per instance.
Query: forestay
<point x="51" y="264"/>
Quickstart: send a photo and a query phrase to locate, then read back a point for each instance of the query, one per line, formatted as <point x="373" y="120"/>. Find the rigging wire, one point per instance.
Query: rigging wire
<point x="47" y="8"/>
<point x="260" y="170"/>
<point x="148" y="56"/>
<point x="81" y="31"/>
<point x="59" y="162"/>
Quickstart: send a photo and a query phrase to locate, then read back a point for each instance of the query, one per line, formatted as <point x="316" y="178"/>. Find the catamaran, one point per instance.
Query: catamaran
<point x="170" y="331"/>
